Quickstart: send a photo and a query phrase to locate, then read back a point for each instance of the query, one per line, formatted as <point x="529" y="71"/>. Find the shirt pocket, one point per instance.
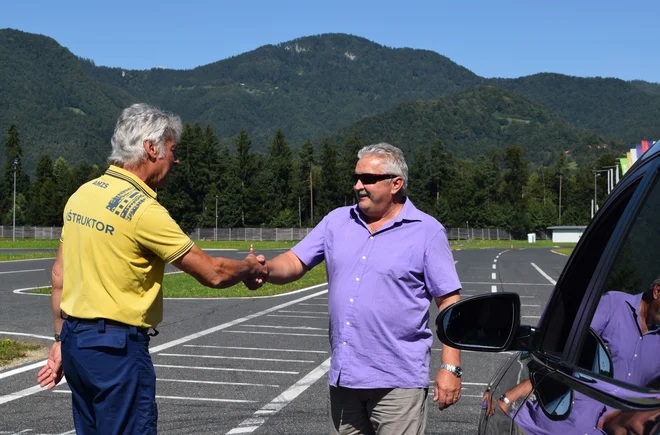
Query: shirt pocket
<point x="394" y="262"/>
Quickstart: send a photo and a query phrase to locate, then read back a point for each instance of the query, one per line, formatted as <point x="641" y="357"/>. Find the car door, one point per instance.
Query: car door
<point x="599" y="298"/>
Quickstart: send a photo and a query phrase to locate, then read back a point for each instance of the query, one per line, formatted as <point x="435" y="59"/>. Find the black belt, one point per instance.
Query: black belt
<point x="107" y="322"/>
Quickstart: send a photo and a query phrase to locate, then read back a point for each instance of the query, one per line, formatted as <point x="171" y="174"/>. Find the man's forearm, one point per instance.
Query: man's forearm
<point x="55" y="299"/>
<point x="285" y="268"/>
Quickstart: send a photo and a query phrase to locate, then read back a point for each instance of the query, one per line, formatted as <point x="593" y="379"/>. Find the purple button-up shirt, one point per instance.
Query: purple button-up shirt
<point x="380" y="287"/>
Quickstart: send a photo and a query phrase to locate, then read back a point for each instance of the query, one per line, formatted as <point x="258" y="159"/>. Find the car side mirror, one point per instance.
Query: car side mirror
<point x="486" y="323"/>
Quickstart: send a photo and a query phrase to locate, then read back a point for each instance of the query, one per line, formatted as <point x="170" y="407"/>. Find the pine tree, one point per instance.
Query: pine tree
<point x="331" y="195"/>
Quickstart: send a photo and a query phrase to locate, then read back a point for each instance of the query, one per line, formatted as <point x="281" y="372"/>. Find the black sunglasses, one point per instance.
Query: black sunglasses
<point x="371" y="178"/>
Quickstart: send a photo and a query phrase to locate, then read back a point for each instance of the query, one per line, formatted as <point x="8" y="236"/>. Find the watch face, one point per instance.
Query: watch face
<point x="458" y="371"/>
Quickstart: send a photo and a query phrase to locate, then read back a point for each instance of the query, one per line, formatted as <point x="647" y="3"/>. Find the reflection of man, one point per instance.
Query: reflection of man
<point x="385" y="261"/>
<point x="108" y="274"/>
<point x="629" y="326"/>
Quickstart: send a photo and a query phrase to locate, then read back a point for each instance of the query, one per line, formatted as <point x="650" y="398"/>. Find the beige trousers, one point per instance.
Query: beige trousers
<point x="379" y="411"/>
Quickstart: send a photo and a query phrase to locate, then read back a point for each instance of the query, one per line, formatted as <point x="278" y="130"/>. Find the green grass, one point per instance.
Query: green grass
<point x="11" y="350"/>
<point x="29" y="243"/>
<point x="10" y="257"/>
<point x="181" y="285"/>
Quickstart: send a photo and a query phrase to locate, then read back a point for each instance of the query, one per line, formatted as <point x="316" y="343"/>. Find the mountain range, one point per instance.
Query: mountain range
<point x="316" y="86"/>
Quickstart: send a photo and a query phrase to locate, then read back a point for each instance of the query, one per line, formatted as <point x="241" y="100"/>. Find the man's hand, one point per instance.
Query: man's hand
<point x="447" y="389"/>
<point x="52" y="373"/>
<point x="258" y="271"/>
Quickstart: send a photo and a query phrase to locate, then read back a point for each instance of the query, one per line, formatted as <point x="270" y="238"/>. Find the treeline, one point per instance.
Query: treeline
<point x="284" y="187"/>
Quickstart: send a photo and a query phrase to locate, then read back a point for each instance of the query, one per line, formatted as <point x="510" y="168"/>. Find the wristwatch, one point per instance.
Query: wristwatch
<point x="456" y="370"/>
<point x="505" y="399"/>
<point x="57" y="337"/>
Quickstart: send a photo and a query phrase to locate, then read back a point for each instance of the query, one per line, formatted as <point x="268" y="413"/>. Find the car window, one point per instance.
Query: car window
<point x="562" y="310"/>
<point x="627" y="316"/>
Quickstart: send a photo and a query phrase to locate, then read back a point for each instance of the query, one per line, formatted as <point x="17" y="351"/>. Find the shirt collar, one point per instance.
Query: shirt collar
<point x="408" y="213"/>
<point x="117" y="172"/>
<point x="633" y="303"/>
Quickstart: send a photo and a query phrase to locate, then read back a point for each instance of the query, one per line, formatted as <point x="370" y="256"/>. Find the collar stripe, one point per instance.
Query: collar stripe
<point x="112" y="173"/>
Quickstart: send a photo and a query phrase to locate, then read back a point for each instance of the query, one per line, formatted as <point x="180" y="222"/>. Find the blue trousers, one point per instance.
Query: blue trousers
<point x="112" y="378"/>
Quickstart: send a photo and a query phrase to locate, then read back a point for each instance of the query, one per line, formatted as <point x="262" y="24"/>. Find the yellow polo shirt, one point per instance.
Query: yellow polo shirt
<point x="116" y="240"/>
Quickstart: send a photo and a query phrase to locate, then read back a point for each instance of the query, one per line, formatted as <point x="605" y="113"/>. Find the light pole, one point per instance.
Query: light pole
<point x="216" y="218"/>
<point x="467" y="224"/>
<point x="14" y="167"/>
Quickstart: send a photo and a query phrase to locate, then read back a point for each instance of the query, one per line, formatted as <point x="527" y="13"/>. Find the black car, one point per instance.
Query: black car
<point x="592" y="364"/>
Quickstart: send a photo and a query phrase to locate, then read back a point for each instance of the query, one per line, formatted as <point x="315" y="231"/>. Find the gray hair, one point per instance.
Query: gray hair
<point x="654" y="283"/>
<point x="393" y="160"/>
<point x="136" y="124"/>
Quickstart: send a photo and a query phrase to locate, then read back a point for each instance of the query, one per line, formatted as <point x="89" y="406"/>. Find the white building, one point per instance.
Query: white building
<point x="567" y="234"/>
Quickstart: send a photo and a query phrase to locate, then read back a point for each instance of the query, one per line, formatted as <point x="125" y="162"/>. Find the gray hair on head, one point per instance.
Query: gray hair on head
<point x="393" y="160"/>
<point x="654" y="283"/>
<point x="136" y="124"/>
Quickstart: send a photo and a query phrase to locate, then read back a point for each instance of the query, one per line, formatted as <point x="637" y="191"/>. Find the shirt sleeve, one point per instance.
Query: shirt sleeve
<point x="311" y="249"/>
<point x="603" y="314"/>
<point x="159" y="233"/>
<point x="439" y="271"/>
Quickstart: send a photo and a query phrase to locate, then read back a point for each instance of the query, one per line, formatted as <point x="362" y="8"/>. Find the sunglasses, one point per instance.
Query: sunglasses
<point x="371" y="178"/>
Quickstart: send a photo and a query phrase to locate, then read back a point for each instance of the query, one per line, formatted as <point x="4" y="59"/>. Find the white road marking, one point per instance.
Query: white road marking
<point x="225" y="369"/>
<point x="16" y="371"/>
<point x="302" y="312"/>
<point x="531" y="317"/>
<point x="279" y="333"/>
<point x="196" y="399"/>
<point x="22" y="271"/>
<point x="36" y="389"/>
<point x="559" y="253"/>
<point x="495" y="261"/>
<point x="185" y="355"/>
<point x="535" y="306"/>
<point x="505" y="283"/>
<point x="493" y="275"/>
<point x="494" y="266"/>
<point x="191" y="381"/>
<point x="545" y="275"/>
<point x="298" y="317"/>
<point x="306" y="328"/>
<point x="23" y="334"/>
<point x="251" y="424"/>
<point x="493" y="289"/>
<point x="255" y="348"/>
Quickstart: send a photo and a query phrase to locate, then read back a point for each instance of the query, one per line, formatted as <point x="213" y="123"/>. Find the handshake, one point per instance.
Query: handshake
<point x="257" y="271"/>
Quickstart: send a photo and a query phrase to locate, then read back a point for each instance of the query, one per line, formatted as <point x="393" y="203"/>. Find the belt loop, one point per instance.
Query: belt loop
<point x="101" y="325"/>
<point x="132" y="331"/>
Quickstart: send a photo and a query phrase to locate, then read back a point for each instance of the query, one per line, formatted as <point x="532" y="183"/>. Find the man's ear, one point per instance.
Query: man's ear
<point x="151" y="149"/>
<point x="656" y="291"/>
<point x="396" y="185"/>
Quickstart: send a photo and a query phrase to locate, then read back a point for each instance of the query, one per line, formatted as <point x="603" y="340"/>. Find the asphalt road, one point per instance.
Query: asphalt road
<point x="257" y="365"/>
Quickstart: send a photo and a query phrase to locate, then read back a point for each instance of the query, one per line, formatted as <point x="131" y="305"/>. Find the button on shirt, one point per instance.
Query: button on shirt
<point x="380" y="287"/>
<point x="634" y="355"/>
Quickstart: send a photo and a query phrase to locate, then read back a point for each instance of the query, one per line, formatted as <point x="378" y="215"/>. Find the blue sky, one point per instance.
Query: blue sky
<point x="607" y="38"/>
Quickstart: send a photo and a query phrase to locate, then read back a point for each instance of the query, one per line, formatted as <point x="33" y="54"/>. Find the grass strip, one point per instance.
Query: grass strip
<point x="181" y="285"/>
<point x="11" y="350"/>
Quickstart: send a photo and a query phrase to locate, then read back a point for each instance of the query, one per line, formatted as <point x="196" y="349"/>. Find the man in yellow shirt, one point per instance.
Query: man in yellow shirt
<point x="108" y="274"/>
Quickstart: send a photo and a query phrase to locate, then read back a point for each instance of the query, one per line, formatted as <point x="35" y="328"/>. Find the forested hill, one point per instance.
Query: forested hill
<point x="627" y="110"/>
<point x="470" y="123"/>
<point x="309" y="88"/>
<point x="58" y="108"/>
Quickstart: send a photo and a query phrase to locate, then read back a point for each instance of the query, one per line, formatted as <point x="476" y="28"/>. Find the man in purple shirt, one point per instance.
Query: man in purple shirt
<point x="385" y="260"/>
